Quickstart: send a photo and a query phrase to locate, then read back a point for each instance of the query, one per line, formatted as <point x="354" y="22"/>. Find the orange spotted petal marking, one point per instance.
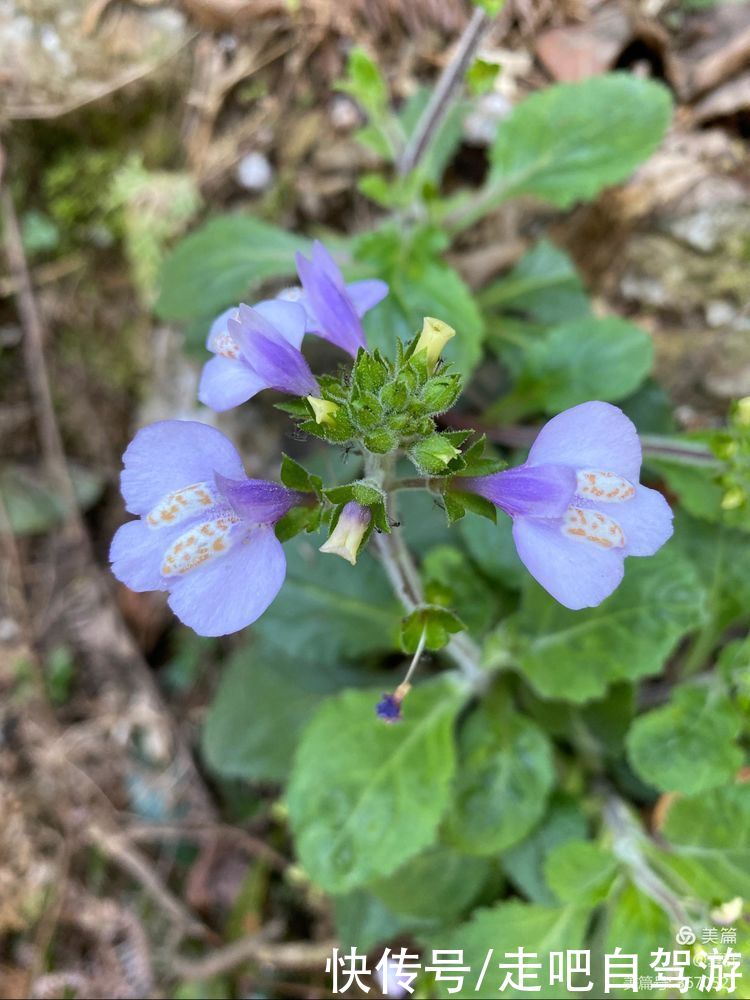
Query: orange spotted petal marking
<point x="198" y="544"/>
<point x="590" y="526"/>
<point x="177" y="506"/>
<point x="604" y="487"/>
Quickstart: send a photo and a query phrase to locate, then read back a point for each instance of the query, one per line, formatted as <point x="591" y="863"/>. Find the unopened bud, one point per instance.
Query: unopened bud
<point x="729" y="912"/>
<point x="346" y="538"/>
<point x="433" y="338"/>
<point x="434" y="454"/>
<point x="324" y="409"/>
<point x="733" y="498"/>
<point x="742" y="412"/>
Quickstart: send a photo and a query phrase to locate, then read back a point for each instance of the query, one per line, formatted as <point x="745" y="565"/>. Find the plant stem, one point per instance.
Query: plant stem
<point x="627" y="837"/>
<point x="442" y="96"/>
<point x="404" y="578"/>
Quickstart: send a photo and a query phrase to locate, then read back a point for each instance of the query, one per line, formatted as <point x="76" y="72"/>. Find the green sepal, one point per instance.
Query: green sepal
<point x="339" y="432"/>
<point x="437" y="623"/>
<point x="380" y="442"/>
<point x="296" y="477"/>
<point x="441" y="392"/>
<point x="454" y="506"/>
<point x="294" y="407"/>
<point x="371" y="371"/>
<point x="477" y="505"/>
<point x="298" y="519"/>
<point x="437" y="455"/>
<point x="478" y="463"/>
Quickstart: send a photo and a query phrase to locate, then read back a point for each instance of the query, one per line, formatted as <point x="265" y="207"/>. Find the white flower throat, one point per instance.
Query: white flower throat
<point x="201" y="542"/>
<point x="585" y="524"/>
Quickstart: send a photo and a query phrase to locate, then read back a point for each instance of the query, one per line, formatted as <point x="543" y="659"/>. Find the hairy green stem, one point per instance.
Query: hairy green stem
<point x="627" y="840"/>
<point x="404" y="579"/>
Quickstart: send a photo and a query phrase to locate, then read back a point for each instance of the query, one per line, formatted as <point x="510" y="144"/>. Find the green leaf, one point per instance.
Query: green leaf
<point x="524" y="863"/>
<point x="544" y="285"/>
<point x="698" y="488"/>
<point x="580" y="871"/>
<point x="567" y="142"/>
<point x="328" y="610"/>
<point x="575" y="655"/>
<point x="438" y="624"/>
<point x="709" y="842"/>
<point x="451" y="580"/>
<point x="222" y="263"/>
<point x="362" y="921"/>
<point x="264" y="700"/>
<point x="365" y="796"/>
<point x="433" y="888"/>
<point x="34" y="504"/>
<point x="721" y="557"/>
<point x="365" y="82"/>
<point x="688" y="745"/>
<point x="492" y="548"/>
<point x="638" y="926"/>
<point x="295" y="476"/>
<point x="587" y="359"/>
<point x="503" y="777"/>
<point x="506" y="928"/>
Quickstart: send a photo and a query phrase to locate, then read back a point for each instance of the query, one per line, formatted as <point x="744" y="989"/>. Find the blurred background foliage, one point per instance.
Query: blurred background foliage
<point x="192" y="817"/>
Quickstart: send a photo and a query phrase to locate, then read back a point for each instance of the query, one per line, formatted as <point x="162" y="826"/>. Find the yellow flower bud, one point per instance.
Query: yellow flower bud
<point x="433" y="338"/>
<point x="323" y="409"/>
<point x="729" y="912"/>
<point x="742" y="412"/>
<point x="346" y="537"/>
<point x="733" y="498"/>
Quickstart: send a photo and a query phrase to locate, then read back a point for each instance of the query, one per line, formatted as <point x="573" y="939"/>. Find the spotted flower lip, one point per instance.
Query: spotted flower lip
<point x="204" y="531"/>
<point x="577" y="505"/>
<point x="256" y="348"/>
<point x="333" y="308"/>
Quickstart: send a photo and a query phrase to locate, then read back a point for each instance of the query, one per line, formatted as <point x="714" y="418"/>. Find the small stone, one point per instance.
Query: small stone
<point x="719" y="312"/>
<point x="480" y="127"/>
<point x="344" y="113"/>
<point x="254" y="172"/>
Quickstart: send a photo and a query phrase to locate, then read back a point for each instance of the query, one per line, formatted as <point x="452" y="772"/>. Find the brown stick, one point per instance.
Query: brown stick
<point x="257" y="948"/>
<point x="37" y="374"/>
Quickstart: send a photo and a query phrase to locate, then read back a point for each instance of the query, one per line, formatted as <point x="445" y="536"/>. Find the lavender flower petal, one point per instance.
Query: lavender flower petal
<point x="592" y="435"/>
<point x="646" y="521"/>
<point x="226" y="383"/>
<point x="287" y="318"/>
<point x="336" y="318"/>
<point x="577" y="574"/>
<point x="170" y="455"/>
<point x="279" y="365"/>
<point x="365" y="295"/>
<point x="230" y="593"/>
<point x="136" y="554"/>
<point x="542" y="491"/>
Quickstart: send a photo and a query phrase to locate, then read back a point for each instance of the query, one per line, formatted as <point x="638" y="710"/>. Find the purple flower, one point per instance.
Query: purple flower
<point x="205" y="531"/>
<point x="577" y="506"/>
<point x="256" y="348"/>
<point x="388" y="708"/>
<point x="334" y="308"/>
